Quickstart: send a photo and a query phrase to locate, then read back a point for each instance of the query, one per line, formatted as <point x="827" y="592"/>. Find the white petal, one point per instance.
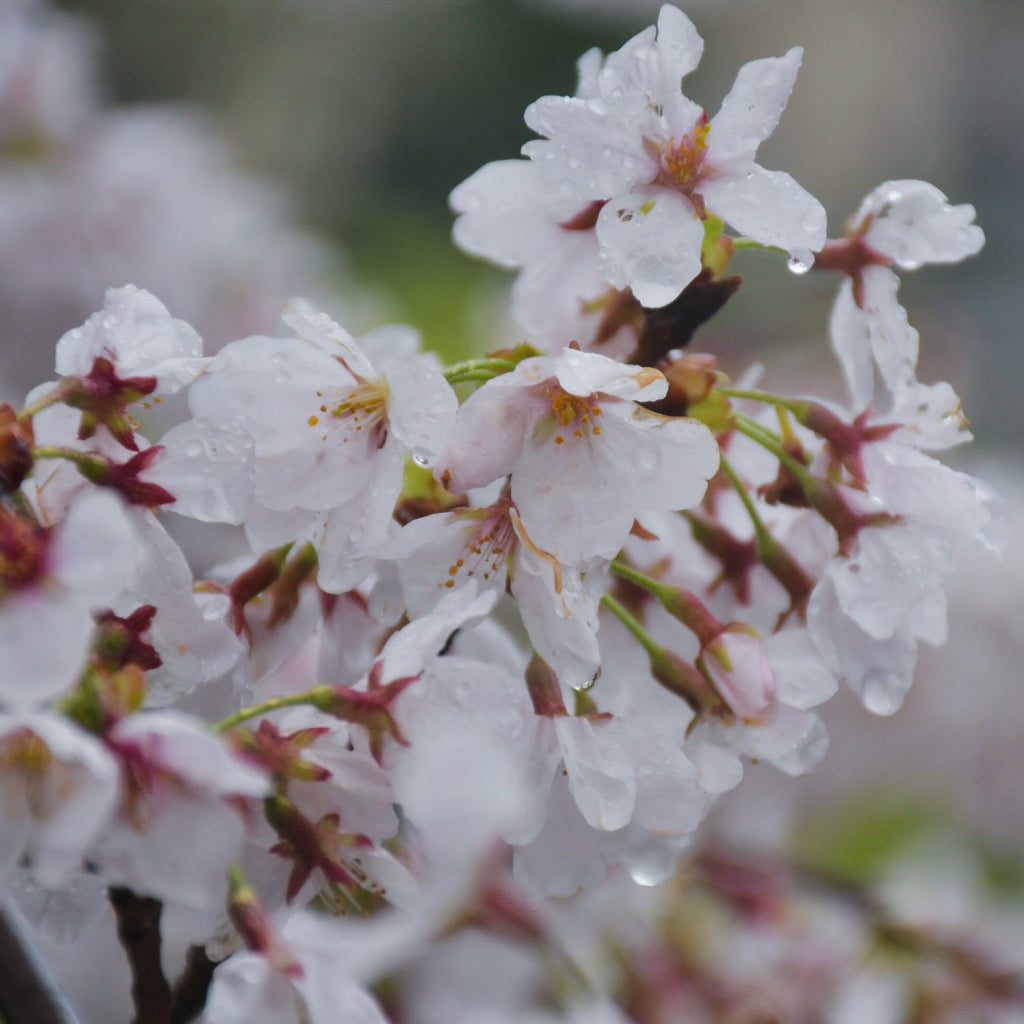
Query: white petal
<point x="915" y="224"/>
<point x="589" y="153"/>
<point x="650" y="241"/>
<point x="894" y="343"/>
<point x="601" y="777"/>
<point x="851" y="342"/>
<point x="679" y="45"/>
<point x="558" y="606"/>
<point x="752" y="108"/>
<point x="508" y="212"/>
<point x="421" y="407"/>
<point x="768" y="206"/>
<point x="44" y="638"/>
<point x="96" y="550"/>
<point x="135" y="331"/>
<point x="804" y="680"/>
<point x="208" y="465"/>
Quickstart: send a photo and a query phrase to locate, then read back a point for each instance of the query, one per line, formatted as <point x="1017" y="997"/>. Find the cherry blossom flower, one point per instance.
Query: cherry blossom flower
<point x="905" y="224"/>
<point x="585" y="459"/>
<point x="658" y="166"/>
<point x="135" y="332"/>
<point x="330" y="432"/>
<point x="490" y="547"/>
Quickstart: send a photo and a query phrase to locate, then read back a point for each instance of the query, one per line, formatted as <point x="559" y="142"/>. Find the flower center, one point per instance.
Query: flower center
<point x="363" y="410"/>
<point x="488" y="547"/>
<point x="574" y="415"/>
<point x="682" y="161"/>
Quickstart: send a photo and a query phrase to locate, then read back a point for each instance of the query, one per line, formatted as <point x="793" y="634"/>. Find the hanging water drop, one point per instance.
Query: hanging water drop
<point x="801" y="260"/>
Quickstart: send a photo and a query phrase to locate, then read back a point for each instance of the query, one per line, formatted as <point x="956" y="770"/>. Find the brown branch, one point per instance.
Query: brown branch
<point x="138" y="928"/>
<point x="192" y="986"/>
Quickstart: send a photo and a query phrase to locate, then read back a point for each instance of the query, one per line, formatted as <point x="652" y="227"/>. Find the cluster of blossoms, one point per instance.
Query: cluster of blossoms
<point x="508" y="628"/>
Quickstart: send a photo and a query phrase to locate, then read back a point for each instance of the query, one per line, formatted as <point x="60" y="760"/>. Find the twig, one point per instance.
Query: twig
<point x="138" y="928"/>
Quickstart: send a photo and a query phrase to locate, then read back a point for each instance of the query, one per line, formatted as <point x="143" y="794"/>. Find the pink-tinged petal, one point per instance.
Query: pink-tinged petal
<point x="752" y="109"/>
<point x="914" y="223"/>
<point x="552" y="297"/>
<point x="564" y="856"/>
<point x="625" y="74"/>
<point x="421" y="407"/>
<point x="650" y="241"/>
<point x="669" y="800"/>
<point x="571" y="502"/>
<point x="247" y="990"/>
<point x="768" y="206"/>
<point x="587" y="373"/>
<point x="489" y="432"/>
<point x="736" y="663"/>
<point x="589" y="152"/>
<point x="601" y="777"/>
<point x="891" y="571"/>
<point x="783" y="733"/>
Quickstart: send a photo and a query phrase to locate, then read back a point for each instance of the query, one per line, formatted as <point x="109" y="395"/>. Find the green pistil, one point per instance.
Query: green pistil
<point x="315" y="697"/>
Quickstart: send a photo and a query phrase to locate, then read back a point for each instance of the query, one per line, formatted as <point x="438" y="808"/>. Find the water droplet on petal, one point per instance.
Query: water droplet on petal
<point x="801" y="260"/>
<point x="422" y="458"/>
<point x="194" y="449"/>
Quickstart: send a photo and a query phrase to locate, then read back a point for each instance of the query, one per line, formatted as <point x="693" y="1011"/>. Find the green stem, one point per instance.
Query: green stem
<point x="764" y="537"/>
<point x="273" y="704"/>
<point x="477" y="370"/>
<point x="630" y="621"/>
<point x="627" y="572"/>
<point x="766" y="439"/>
<point x="742" y="242"/>
<point x="50" y="398"/>
<point x="794" y="405"/>
<point x="83" y="460"/>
